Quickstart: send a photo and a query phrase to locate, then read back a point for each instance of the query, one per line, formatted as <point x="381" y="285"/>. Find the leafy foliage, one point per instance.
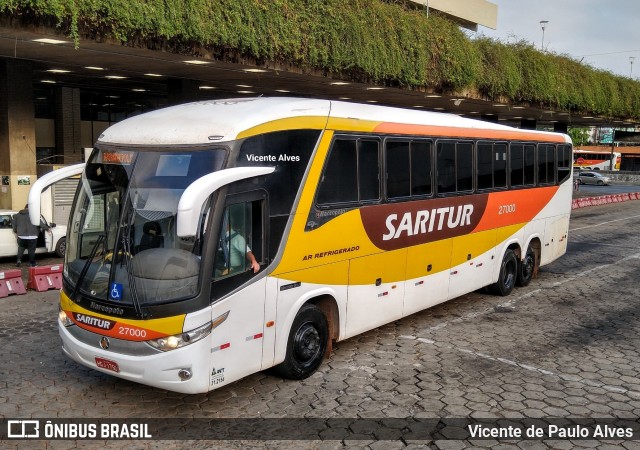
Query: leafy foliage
<point x="374" y="41"/>
<point x="579" y="136"/>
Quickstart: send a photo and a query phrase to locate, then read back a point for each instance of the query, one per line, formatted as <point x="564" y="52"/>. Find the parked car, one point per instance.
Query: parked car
<point x="593" y="178"/>
<point x="51" y="240"/>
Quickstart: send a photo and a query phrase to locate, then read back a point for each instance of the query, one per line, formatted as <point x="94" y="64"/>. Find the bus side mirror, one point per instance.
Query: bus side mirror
<point x="43" y="182"/>
<point x="197" y="193"/>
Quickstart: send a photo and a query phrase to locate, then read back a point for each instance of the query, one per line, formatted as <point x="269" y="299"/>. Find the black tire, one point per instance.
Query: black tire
<point x="508" y="274"/>
<point x="526" y="268"/>
<point x="306" y="345"/>
<point x="61" y="247"/>
<point x="600" y="183"/>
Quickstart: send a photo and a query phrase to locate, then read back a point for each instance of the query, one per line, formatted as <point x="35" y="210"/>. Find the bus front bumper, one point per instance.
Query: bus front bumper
<point x="184" y="370"/>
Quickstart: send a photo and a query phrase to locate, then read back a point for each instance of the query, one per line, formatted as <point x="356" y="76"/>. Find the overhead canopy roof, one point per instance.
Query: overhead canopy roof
<point x="142" y="72"/>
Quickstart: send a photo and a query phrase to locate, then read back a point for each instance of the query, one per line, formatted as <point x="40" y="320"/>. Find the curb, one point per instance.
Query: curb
<point x="604" y="200"/>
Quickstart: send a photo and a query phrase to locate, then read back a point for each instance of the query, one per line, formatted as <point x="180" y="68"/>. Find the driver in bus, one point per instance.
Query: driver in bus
<point x="235" y="251"/>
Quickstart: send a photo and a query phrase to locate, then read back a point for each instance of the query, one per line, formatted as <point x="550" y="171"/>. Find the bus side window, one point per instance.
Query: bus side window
<point x="351" y="173"/>
<point x="564" y="162"/>
<point x="241" y="233"/>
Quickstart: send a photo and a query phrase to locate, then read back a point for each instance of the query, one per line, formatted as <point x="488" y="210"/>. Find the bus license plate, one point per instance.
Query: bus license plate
<point x="107" y="364"/>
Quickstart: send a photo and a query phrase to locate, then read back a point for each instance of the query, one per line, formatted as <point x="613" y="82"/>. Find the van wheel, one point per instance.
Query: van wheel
<point x="306" y="345"/>
<point x="526" y="268"/>
<point x="61" y="247"/>
<point x="508" y="273"/>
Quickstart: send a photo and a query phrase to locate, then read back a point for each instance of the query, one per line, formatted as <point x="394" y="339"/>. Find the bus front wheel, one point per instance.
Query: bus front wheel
<point x="508" y="273"/>
<point x="306" y="345"/>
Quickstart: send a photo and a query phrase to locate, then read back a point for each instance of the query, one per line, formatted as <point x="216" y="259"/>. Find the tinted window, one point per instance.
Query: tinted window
<point x="446" y="167"/>
<point x="339" y="182"/>
<point x="464" y="166"/>
<point x="398" y="159"/>
<point x="455" y="166"/>
<point x="368" y="170"/>
<point x="484" y="162"/>
<point x="351" y="173"/>
<point x="546" y="164"/>
<point x="292" y="150"/>
<point x="421" y="183"/>
<point x="491" y="165"/>
<point x="516" y="164"/>
<point x="408" y="171"/>
<point x="564" y="162"/>
<point x="529" y="164"/>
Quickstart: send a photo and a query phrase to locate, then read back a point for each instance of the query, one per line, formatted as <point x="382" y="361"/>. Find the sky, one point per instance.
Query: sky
<point x="606" y="33"/>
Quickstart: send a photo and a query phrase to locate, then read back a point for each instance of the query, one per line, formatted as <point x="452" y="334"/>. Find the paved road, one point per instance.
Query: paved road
<point x="568" y="345"/>
<point x="593" y="190"/>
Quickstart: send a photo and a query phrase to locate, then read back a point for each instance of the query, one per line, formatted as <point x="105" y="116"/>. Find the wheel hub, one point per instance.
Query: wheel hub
<point x="306" y="342"/>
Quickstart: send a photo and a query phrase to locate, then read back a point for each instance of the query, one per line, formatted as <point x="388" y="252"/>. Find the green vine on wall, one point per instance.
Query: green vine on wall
<point x="373" y="41"/>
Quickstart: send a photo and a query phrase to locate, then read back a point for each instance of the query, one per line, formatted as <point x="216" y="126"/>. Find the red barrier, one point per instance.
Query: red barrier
<point x="45" y="278"/>
<point x="604" y="200"/>
<point x="11" y="283"/>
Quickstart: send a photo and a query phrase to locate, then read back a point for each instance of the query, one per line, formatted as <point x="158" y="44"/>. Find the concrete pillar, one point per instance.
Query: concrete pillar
<point x="17" y="133"/>
<point x="67" y="120"/>
<point x="561" y="127"/>
<point x="528" y="124"/>
<point x="180" y="90"/>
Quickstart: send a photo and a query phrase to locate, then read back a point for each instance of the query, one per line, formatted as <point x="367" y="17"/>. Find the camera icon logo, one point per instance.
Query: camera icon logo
<point x="22" y="429"/>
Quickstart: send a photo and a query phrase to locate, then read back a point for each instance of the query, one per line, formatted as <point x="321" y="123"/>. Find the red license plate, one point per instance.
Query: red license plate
<point x="107" y="364"/>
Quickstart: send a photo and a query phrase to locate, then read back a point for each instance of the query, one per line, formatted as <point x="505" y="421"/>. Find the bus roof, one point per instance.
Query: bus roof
<point x="206" y="122"/>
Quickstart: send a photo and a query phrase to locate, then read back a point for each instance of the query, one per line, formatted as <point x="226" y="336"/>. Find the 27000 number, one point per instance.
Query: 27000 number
<point x="507" y="209"/>
<point x="132" y="332"/>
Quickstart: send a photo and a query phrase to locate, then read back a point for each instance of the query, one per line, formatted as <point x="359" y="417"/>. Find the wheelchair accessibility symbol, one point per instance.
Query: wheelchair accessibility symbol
<point x="115" y="292"/>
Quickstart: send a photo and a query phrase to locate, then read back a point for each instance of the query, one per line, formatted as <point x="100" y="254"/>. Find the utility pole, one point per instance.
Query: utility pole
<point x="543" y="24"/>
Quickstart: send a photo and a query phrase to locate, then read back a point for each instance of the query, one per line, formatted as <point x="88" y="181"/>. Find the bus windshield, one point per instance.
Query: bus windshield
<point x="123" y="246"/>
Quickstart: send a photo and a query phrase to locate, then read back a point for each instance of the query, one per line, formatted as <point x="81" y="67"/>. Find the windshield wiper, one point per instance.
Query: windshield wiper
<point x="128" y="257"/>
<point x="85" y="268"/>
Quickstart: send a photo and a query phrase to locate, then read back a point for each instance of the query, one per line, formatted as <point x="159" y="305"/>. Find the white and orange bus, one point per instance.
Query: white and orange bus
<point x="594" y="160"/>
<point x="357" y="215"/>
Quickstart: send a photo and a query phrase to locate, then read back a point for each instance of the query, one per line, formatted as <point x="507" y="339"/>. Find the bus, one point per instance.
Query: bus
<point x="593" y="160"/>
<point x="216" y="239"/>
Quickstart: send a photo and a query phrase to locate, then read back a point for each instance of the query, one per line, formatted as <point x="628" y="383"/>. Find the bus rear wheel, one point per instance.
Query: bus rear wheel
<point x="306" y="345"/>
<point x="508" y="273"/>
<point x="526" y="268"/>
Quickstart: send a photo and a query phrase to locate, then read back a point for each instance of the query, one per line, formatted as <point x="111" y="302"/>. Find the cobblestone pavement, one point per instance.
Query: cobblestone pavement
<point x="567" y="345"/>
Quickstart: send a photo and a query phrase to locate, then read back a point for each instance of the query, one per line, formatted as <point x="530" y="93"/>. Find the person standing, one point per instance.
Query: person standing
<point x="27" y="235"/>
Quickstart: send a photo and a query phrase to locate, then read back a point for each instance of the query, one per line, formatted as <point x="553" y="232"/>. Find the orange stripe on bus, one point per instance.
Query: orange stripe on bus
<point x="120" y="330"/>
<point x="512" y="207"/>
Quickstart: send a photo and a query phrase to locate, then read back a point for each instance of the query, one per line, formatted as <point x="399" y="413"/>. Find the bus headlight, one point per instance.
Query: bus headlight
<point x="189" y="337"/>
<point x="63" y="318"/>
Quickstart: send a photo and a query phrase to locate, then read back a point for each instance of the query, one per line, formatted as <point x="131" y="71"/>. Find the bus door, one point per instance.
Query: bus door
<point x="237" y="289"/>
<point x="376" y="290"/>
